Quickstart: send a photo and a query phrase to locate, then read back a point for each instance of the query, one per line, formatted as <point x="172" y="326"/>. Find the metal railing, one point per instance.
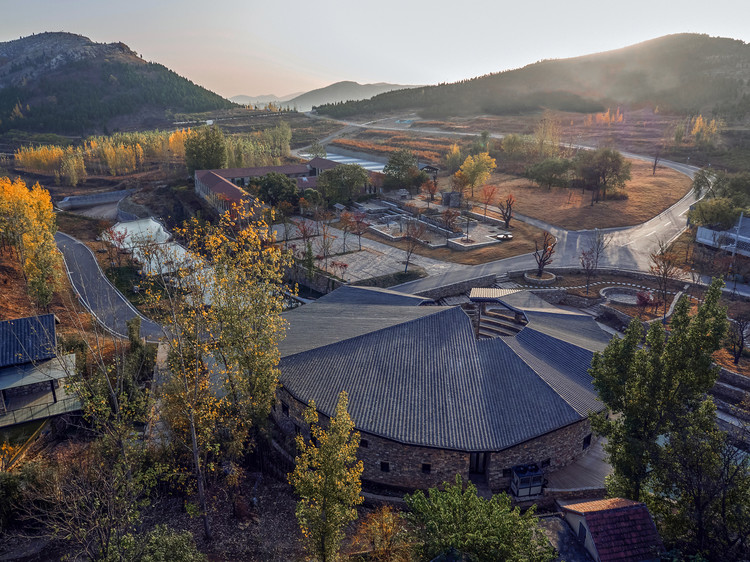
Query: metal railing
<point x="39" y="411"/>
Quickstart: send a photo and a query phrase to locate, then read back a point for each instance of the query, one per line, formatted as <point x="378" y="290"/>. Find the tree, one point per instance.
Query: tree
<point x="488" y="194"/>
<point x="506" y="209"/>
<point x="703" y="181"/>
<point x="450" y="217"/>
<point x="275" y="188"/>
<point x="544" y="251"/>
<point x="601" y="170"/>
<point x="400" y="169"/>
<point x="453" y="159"/>
<point x="457" y="519"/>
<point x="360" y="226"/>
<point x="702" y="489"/>
<point x="719" y="213"/>
<point x="222" y="358"/>
<point x="316" y="150"/>
<point x="430" y="187"/>
<point x="341" y="183"/>
<point x="326" y="478"/>
<point x="476" y="170"/>
<point x="737" y="336"/>
<point x="549" y="172"/>
<point x="587" y="264"/>
<point x="649" y="390"/>
<point x="415" y="230"/>
<point x="383" y="536"/>
<point x="665" y="269"/>
<point x="347" y="225"/>
<point x="205" y="149"/>
<point x="547" y="135"/>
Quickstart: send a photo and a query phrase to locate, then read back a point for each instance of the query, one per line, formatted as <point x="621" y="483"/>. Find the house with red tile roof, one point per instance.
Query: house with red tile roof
<point x="615" y="529"/>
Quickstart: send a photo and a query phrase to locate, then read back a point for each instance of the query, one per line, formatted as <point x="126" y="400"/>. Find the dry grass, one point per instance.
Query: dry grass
<point x="522" y="243"/>
<point x="648" y="195"/>
<point x="724" y="359"/>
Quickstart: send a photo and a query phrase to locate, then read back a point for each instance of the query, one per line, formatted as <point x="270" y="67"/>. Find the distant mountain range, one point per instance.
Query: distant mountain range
<point x="683" y="73"/>
<point x="66" y="83"/>
<point x="335" y="93"/>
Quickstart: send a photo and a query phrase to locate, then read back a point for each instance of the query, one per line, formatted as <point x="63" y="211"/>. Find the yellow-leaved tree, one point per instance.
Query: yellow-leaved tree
<point x="475" y="170"/>
<point x="327" y="478"/>
<point x="27" y="225"/>
<point x="221" y="303"/>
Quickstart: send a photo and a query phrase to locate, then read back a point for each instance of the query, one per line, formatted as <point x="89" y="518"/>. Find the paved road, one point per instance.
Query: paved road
<point x="97" y="294"/>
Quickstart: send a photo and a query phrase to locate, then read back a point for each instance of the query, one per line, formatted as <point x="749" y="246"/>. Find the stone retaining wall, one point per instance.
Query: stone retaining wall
<point x="458" y="288"/>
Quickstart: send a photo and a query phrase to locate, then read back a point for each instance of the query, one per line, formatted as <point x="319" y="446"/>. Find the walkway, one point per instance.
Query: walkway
<point x="111" y="309"/>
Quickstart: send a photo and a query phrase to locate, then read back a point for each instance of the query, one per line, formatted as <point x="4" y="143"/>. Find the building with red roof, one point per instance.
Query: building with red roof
<point x="615" y="529"/>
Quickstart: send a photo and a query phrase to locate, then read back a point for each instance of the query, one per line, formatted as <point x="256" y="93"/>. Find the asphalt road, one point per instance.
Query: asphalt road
<point x="97" y="294"/>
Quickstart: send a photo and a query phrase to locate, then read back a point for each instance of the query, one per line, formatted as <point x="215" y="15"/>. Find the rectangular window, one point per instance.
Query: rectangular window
<point x="587" y="441"/>
<point x="285" y="408"/>
<point x="385" y="467"/>
<point x="364" y="443"/>
<point x="426" y="468"/>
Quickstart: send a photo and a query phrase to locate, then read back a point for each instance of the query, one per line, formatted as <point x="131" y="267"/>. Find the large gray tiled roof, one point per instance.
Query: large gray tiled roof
<point x="27" y="339"/>
<point x="350" y="294"/>
<point x="418" y="375"/>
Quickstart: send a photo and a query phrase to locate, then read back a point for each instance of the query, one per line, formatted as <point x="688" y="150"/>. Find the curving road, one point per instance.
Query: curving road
<point x="110" y="308"/>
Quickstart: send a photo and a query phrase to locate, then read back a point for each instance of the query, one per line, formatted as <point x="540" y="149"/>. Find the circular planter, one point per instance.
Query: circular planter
<point x="621" y="295"/>
<point x="546" y="279"/>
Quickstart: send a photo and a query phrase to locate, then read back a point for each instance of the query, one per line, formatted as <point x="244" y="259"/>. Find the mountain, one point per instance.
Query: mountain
<point x="263" y="100"/>
<point x="341" y="92"/>
<point x="683" y="73"/>
<point x="66" y="83"/>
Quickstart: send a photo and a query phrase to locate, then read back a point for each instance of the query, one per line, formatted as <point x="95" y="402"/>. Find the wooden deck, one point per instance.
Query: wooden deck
<point x="587" y="472"/>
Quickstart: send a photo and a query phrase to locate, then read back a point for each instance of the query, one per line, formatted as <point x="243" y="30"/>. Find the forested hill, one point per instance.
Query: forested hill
<point x="341" y="91"/>
<point x="682" y="73"/>
<point x="66" y="83"/>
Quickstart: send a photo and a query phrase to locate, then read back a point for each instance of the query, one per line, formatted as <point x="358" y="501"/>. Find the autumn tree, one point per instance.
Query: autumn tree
<point x="476" y="170"/>
<point x="223" y="323"/>
<point x="543" y="252"/>
<point x="547" y="134"/>
<point x="430" y="187"/>
<point x="450" y="218"/>
<point x="649" y="390"/>
<point x="383" y="536"/>
<point x="326" y="478"/>
<point x="453" y="159"/>
<point x="457" y="519"/>
<point x="360" y="226"/>
<point x="488" y="194"/>
<point x="347" y="225"/>
<point x="506" y="209"/>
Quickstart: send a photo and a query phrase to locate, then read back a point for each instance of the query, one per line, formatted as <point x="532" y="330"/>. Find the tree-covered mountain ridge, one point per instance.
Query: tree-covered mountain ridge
<point x="66" y="83"/>
<point x="682" y="73"/>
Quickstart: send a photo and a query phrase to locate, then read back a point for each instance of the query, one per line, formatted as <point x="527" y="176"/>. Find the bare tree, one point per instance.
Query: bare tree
<point x="360" y="226"/>
<point x="415" y="230"/>
<point x="543" y="252"/>
<point x="598" y="245"/>
<point x="664" y="267"/>
<point x="347" y="226"/>
<point x="588" y="265"/>
<point x="450" y="216"/>
<point x="737" y="335"/>
<point x="430" y="187"/>
<point x="506" y="209"/>
<point x="325" y="239"/>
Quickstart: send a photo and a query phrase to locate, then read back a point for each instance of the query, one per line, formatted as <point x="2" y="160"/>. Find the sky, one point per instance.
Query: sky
<point x="254" y="47"/>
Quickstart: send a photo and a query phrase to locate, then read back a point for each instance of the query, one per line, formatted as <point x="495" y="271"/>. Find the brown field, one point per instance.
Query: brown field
<point x="523" y="243"/>
<point x="571" y="209"/>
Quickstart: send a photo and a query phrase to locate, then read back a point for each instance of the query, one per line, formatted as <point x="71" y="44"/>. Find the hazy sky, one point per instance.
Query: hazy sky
<point x="260" y="47"/>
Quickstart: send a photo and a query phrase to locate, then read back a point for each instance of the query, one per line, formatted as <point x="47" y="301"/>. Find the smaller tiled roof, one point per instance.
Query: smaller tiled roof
<point x="260" y="171"/>
<point x="322" y="163"/>
<point x="622" y="530"/>
<point x="351" y="294"/>
<point x="221" y="186"/>
<point x="25" y="340"/>
<point x="479" y="294"/>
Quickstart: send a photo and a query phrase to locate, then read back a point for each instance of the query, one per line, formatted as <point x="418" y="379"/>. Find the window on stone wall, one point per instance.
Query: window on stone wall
<point x="364" y="443"/>
<point x="546" y="463"/>
<point x="426" y="467"/>
<point x="285" y="408"/>
<point x="507" y="473"/>
<point x="587" y="441"/>
<point x="385" y="467"/>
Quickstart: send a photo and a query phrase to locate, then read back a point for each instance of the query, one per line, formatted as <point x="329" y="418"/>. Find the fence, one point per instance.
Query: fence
<point x="39" y="411"/>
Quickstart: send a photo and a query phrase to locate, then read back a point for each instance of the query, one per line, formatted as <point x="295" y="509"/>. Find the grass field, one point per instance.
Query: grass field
<point x="571" y="208"/>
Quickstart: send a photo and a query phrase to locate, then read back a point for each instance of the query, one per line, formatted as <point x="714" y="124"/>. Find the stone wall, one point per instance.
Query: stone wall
<point x="318" y="281"/>
<point x="458" y="288"/>
<point x="559" y="448"/>
<point x="398" y="465"/>
<point x="32" y="388"/>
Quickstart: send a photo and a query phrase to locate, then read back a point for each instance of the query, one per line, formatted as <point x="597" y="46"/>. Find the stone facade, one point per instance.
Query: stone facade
<point x="409" y="467"/>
